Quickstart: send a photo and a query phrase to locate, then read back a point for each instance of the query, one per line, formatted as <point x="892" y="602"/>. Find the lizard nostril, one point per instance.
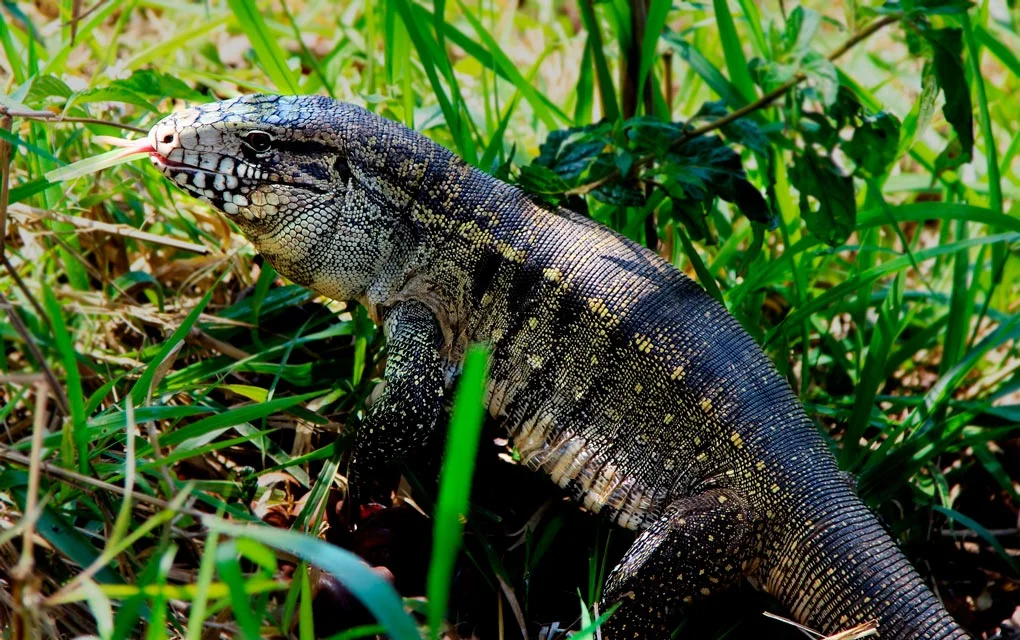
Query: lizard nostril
<point x="168" y="138"/>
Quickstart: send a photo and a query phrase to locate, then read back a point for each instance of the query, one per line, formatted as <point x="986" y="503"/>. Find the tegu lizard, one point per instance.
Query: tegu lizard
<point x="611" y="371"/>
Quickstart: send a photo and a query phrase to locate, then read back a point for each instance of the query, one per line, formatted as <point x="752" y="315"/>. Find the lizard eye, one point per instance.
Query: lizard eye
<point x="259" y="141"/>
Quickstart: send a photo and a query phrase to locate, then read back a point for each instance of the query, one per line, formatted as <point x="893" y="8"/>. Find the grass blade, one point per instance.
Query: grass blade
<point x="607" y="91"/>
<point x="266" y="47"/>
<point x="655" y="22"/>
<point x="736" y="63"/>
<point x="455" y="484"/>
<point x="510" y="70"/>
<point x="367" y="586"/>
<point x="143" y="386"/>
<point x="75" y="396"/>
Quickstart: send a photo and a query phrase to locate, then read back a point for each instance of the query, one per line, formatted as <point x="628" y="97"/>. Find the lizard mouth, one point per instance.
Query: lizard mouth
<point x="161" y="161"/>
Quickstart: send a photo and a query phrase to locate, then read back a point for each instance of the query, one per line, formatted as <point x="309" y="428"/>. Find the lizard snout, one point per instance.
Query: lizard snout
<point x="165" y="142"/>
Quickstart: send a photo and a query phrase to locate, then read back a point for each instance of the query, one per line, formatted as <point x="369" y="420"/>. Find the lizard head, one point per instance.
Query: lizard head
<point x="318" y="186"/>
<point x="253" y="156"/>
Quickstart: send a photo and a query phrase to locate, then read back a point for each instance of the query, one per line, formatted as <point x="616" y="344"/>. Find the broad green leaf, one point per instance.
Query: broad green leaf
<point x="875" y="144"/>
<point x="947" y="59"/>
<point x="827" y="201"/>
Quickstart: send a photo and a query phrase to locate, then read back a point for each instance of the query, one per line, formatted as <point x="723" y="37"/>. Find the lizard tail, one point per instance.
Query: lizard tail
<point x="842" y="569"/>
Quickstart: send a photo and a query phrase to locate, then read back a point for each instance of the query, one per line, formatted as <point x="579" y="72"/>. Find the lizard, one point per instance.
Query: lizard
<point x="612" y="371"/>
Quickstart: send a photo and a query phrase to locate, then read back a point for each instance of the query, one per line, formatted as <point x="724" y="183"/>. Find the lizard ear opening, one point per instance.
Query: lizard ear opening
<point x="342" y="169"/>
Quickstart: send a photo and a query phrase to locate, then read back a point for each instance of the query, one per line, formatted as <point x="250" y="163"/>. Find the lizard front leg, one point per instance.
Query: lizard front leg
<point x="404" y="416"/>
<point x="697" y="548"/>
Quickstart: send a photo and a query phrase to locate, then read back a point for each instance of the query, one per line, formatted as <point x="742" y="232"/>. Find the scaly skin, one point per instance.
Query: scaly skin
<point x="613" y="372"/>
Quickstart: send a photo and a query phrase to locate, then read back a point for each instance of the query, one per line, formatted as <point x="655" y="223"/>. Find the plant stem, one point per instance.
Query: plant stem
<point x="56" y="117"/>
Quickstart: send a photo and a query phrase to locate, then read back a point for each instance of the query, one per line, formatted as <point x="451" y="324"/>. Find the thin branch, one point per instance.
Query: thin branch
<point x="747" y="109"/>
<point x="26" y="336"/>
<point x="25" y="564"/>
<point x="49" y="116"/>
<point x="5" y="177"/>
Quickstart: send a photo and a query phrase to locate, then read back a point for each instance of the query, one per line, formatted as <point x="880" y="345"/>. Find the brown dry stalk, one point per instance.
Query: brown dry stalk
<point x="85" y="224"/>
<point x="80" y="480"/>
<point x="862" y="630"/>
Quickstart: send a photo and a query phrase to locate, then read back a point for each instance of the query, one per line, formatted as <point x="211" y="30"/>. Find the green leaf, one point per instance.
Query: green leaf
<point x="947" y="59"/>
<point x="705" y="168"/>
<point x="619" y="193"/>
<point x="984" y="533"/>
<point x="926" y="211"/>
<point x="228" y="567"/>
<point x="883" y="336"/>
<point x="704" y="275"/>
<point x="541" y="180"/>
<point x="943" y="7"/>
<point x="744" y="131"/>
<point x="510" y="71"/>
<point x="46" y="86"/>
<point x="155" y="84"/>
<point x="111" y="94"/>
<point x="435" y="61"/>
<point x="730" y="93"/>
<point x="875" y="144"/>
<point x="822" y="77"/>
<point x="569" y="153"/>
<point x="917" y="121"/>
<point x="56" y="530"/>
<point x="832" y="214"/>
<point x="228" y="418"/>
<point x="28" y="189"/>
<point x="801" y="27"/>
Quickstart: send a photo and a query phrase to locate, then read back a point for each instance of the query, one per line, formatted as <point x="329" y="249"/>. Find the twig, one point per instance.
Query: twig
<point x="56" y="117"/>
<point x="5" y="174"/>
<point x="22" y="331"/>
<point x="778" y="92"/>
<point x="25" y="610"/>
<point x="760" y="103"/>
<point x="970" y="533"/>
<point x="24" y="567"/>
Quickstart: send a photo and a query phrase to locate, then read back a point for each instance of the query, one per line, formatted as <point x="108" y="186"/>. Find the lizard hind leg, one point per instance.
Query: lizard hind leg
<point x="698" y="547"/>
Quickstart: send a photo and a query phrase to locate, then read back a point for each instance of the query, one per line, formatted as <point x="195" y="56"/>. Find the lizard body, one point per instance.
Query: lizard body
<point x="612" y="371"/>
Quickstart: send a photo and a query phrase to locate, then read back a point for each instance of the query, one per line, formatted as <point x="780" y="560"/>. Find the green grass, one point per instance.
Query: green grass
<point x="164" y="395"/>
